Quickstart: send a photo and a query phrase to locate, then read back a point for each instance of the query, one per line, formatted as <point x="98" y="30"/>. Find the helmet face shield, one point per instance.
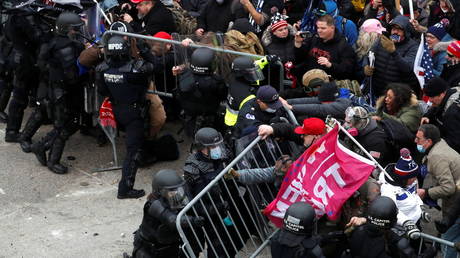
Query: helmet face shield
<point x="253" y="75"/>
<point x="175" y="197"/>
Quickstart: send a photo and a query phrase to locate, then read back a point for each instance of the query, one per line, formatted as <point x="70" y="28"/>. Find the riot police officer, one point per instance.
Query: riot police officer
<point x="6" y="74"/>
<point x="60" y="56"/>
<point x="376" y="237"/>
<point x="201" y="90"/>
<point x="296" y="238"/>
<point x="125" y="82"/>
<point x="23" y="29"/>
<point x="246" y="75"/>
<point x="157" y="235"/>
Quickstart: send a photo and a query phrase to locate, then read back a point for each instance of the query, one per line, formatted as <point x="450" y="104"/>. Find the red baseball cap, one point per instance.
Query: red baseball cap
<point x="162" y="35"/>
<point x="311" y="126"/>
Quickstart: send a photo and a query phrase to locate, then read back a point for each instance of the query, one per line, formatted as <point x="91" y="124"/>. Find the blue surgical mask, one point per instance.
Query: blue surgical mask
<point x="420" y="148"/>
<point x="215" y="153"/>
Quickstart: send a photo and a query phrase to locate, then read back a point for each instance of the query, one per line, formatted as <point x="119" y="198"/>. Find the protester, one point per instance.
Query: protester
<point x="154" y="17"/>
<point x="343" y="25"/>
<point x="442" y="164"/>
<point x="451" y="70"/>
<point x="444" y="111"/>
<point x="438" y="41"/>
<point x="311" y="82"/>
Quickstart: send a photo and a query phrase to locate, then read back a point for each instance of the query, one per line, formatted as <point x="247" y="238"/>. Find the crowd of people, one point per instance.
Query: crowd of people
<point x="355" y="61"/>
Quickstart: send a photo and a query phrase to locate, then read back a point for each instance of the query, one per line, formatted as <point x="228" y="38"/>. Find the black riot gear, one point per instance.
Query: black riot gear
<point x="16" y="4"/>
<point x="299" y="218"/>
<point x="207" y="137"/>
<point x="295" y="239"/>
<point x="382" y="213"/>
<point x="67" y="22"/>
<point x="202" y="61"/>
<point x="171" y="187"/>
<point x="246" y="68"/>
<point x="117" y="49"/>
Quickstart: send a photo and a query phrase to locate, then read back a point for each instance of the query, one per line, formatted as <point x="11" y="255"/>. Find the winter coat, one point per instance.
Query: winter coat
<point x="286" y="131"/>
<point x="451" y="74"/>
<point x="337" y="50"/>
<point x="283" y="48"/>
<point x="335" y="109"/>
<point x="215" y="17"/>
<point x="347" y="28"/>
<point x="443" y="164"/>
<point x="447" y="118"/>
<point x="256" y="175"/>
<point x="159" y="18"/>
<point x="248" y="43"/>
<point x="373" y="139"/>
<point x="409" y="115"/>
<point x="397" y="66"/>
<point x="406" y="199"/>
<point x="439" y="55"/>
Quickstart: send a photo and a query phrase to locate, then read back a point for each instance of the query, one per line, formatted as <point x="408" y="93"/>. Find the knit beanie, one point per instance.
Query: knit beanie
<point x="454" y="49"/>
<point x="406" y="167"/>
<point x="278" y="21"/>
<point x="435" y="86"/>
<point x="437" y="30"/>
<point x="328" y="92"/>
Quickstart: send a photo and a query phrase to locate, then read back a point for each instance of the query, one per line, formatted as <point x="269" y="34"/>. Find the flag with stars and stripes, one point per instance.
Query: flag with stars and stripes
<point x="423" y="65"/>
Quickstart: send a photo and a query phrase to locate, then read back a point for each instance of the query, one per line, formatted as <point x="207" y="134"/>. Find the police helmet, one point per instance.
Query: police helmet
<point x="207" y="137"/>
<point x="382" y="213"/>
<point x="299" y="219"/>
<point x="68" y="21"/>
<point x="117" y="47"/>
<point x="358" y="117"/>
<point x="246" y="68"/>
<point x="170" y="186"/>
<point x="202" y="61"/>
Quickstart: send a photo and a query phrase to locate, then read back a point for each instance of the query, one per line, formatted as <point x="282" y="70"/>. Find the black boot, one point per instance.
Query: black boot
<point x="11" y="136"/>
<point x="128" y="176"/>
<point x="39" y="148"/>
<point x="55" y="156"/>
<point x="34" y="122"/>
<point x="131" y="194"/>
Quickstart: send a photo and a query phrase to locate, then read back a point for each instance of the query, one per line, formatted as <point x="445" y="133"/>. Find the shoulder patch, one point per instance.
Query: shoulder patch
<point x="250" y="116"/>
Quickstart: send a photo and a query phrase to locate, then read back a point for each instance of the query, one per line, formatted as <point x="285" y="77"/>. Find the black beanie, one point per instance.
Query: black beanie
<point x="242" y="25"/>
<point x="435" y="86"/>
<point x="328" y="92"/>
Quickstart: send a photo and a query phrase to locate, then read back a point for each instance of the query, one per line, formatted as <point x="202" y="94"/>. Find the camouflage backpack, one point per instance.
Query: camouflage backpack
<point x="185" y="23"/>
<point x="352" y="85"/>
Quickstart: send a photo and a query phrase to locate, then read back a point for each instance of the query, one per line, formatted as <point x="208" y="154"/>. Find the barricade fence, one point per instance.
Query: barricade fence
<point x="435" y="240"/>
<point x="232" y="205"/>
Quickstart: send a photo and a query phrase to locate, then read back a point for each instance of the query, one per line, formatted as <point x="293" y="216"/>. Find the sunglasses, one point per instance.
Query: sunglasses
<point x="450" y="55"/>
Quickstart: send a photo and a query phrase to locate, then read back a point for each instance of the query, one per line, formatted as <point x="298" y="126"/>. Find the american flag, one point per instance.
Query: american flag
<point x="423" y="65"/>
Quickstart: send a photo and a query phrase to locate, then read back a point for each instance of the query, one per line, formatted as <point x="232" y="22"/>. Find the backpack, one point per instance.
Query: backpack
<point x="398" y="136"/>
<point x="185" y="23"/>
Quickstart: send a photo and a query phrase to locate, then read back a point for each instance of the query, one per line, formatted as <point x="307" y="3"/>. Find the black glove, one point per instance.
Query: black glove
<point x="142" y="46"/>
<point x="272" y="58"/>
<point x="442" y="226"/>
<point x="411" y="229"/>
<point x="197" y="221"/>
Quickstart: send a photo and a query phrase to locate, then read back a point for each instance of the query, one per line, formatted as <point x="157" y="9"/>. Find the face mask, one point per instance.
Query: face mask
<point x="215" y="153"/>
<point x="395" y="38"/>
<point x="270" y="110"/>
<point x="353" y="132"/>
<point x="420" y="148"/>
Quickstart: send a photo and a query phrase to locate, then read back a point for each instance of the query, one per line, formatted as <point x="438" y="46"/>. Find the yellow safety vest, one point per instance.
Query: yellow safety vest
<point x="232" y="115"/>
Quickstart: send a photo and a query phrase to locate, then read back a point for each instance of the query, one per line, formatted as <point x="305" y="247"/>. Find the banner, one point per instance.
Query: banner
<point x="107" y="119"/>
<point x="325" y="176"/>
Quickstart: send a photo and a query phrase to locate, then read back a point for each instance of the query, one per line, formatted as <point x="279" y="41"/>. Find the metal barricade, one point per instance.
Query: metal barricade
<point x="233" y="210"/>
<point x="434" y="240"/>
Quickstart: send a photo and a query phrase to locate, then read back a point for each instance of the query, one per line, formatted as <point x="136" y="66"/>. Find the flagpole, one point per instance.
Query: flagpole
<point x="411" y="9"/>
<point x="362" y="148"/>
<point x="102" y="12"/>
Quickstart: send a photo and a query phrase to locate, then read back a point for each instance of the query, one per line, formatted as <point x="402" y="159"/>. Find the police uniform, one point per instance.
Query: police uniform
<point x="23" y="30"/>
<point x="239" y="92"/>
<point x="126" y="85"/>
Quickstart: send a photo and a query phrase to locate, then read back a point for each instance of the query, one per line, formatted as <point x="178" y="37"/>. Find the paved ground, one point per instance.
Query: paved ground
<point x="74" y="215"/>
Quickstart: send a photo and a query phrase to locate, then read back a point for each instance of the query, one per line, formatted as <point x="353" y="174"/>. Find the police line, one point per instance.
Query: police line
<point x="178" y="43"/>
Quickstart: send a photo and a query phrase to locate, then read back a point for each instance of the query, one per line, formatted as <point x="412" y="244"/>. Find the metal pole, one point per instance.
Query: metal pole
<point x="361" y="147"/>
<point x="291" y="115"/>
<point x="193" y="45"/>
<point x="159" y="93"/>
<point x="206" y="189"/>
<point x="435" y="239"/>
<point x="102" y="12"/>
<point x="262" y="246"/>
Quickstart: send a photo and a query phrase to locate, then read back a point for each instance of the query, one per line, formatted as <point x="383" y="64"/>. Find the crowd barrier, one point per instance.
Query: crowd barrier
<point x="239" y="226"/>
<point x="434" y="240"/>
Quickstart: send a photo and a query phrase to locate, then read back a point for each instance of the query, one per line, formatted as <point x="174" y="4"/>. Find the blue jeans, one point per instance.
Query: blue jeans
<point x="453" y="235"/>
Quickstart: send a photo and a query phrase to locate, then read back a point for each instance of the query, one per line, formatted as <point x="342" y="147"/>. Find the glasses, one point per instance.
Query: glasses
<point x="450" y="55"/>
